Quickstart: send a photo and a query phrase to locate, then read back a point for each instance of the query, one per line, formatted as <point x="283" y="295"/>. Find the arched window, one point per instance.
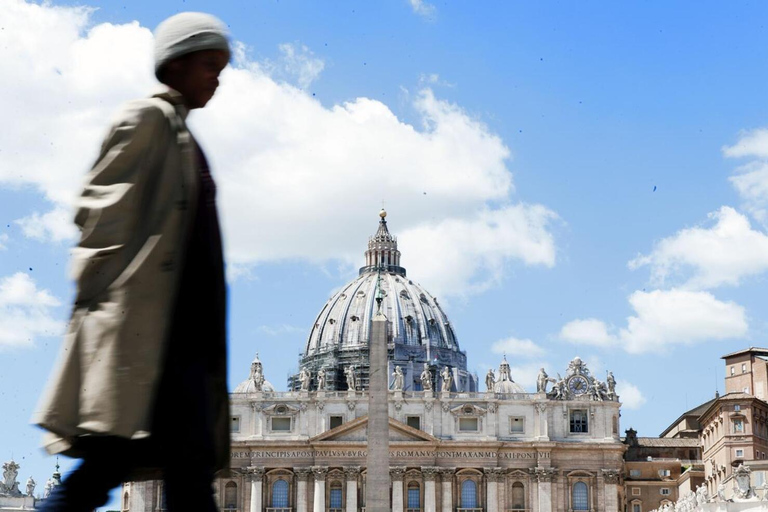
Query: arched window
<point x="518" y="496"/>
<point x="335" y="496"/>
<point x="126" y="503"/>
<point x="280" y="494"/>
<point x="230" y="495"/>
<point x="414" y="495"/>
<point x="468" y="494"/>
<point x="580" y="496"/>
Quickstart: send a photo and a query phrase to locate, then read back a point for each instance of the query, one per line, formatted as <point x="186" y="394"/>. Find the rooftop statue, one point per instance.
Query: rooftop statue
<point x="305" y="377"/>
<point x="31" y="486"/>
<point x="426" y="378"/>
<point x="490" y="380"/>
<point x="349" y="371"/>
<point x="447" y="379"/>
<point x="399" y="379"/>
<point x="321" y="380"/>
<point x="10" y="486"/>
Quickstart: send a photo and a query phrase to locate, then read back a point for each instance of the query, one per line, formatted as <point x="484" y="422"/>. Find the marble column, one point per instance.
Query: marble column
<point x="302" y="475"/>
<point x="544" y="487"/>
<point x="352" y="473"/>
<point x="319" y="474"/>
<point x="492" y="478"/>
<point x="397" y="474"/>
<point x="611" y="478"/>
<point x="430" y="474"/>
<point x="446" y="475"/>
<point x="256" y="475"/>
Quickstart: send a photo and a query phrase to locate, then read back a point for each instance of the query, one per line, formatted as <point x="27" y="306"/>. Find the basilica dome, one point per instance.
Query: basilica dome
<point x="418" y="330"/>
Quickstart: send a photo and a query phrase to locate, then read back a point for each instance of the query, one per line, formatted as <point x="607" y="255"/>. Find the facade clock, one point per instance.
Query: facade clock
<point x="578" y="385"/>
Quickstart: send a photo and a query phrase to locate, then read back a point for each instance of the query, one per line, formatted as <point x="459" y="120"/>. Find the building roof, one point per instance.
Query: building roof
<point x="667" y="442"/>
<point x="751" y="350"/>
<point x="695" y="412"/>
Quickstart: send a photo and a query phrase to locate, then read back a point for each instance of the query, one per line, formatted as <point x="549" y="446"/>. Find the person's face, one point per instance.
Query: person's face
<point x="196" y="76"/>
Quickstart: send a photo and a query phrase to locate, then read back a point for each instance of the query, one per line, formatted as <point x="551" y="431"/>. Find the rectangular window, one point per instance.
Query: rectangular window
<point x="636" y="507"/>
<point x="665" y="491"/>
<point x="579" y="421"/>
<point x="335" y="499"/>
<point x="664" y="472"/>
<point x="733" y="370"/>
<point x="635" y="491"/>
<point x="468" y="425"/>
<point x="634" y="473"/>
<point x="737" y="407"/>
<point x="738" y="426"/>
<point x="739" y="452"/>
<point x="413" y="422"/>
<point x="281" y="424"/>
<point x="743" y="367"/>
<point x="336" y="421"/>
<point x="517" y="424"/>
<point x="234" y="424"/>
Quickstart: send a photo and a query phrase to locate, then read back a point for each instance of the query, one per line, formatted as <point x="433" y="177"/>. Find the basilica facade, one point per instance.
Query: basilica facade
<point x="452" y="445"/>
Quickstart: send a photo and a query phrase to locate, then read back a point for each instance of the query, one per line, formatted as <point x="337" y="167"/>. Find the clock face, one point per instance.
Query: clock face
<point x="578" y="385"/>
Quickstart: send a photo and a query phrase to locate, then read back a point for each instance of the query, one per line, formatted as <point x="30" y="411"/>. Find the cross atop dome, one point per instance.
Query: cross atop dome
<point x="382" y="254"/>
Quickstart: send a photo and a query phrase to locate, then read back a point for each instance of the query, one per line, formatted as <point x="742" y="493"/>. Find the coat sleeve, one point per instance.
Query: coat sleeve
<point x="113" y="205"/>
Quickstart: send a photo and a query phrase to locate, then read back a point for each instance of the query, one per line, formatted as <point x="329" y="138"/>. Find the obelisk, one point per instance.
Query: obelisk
<point x="377" y="484"/>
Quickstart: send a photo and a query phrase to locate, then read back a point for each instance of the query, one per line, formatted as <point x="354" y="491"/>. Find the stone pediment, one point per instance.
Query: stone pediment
<point x="357" y="431"/>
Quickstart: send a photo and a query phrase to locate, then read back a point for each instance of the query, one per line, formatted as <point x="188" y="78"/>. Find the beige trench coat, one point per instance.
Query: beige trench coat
<point x="134" y="213"/>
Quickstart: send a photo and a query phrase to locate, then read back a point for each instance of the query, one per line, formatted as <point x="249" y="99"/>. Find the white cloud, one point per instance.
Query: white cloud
<point x="723" y="254"/>
<point x="56" y="225"/>
<point x="589" y="331"/>
<point x="297" y="180"/>
<point x="298" y="62"/>
<point x="4" y="241"/>
<point x="278" y="330"/>
<point x="517" y="348"/>
<point x="423" y="8"/>
<point x="630" y="395"/>
<point x="752" y="143"/>
<point x="751" y="180"/>
<point x="662" y="319"/>
<point x="25" y="312"/>
<point x="526" y="374"/>
<point x="462" y="256"/>
<point x="751" y="183"/>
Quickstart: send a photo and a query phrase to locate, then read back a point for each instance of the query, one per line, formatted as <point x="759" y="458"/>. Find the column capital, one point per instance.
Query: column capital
<point x="254" y="472"/>
<point x="446" y="473"/>
<point x="611" y="476"/>
<point x="544" y="474"/>
<point x="495" y="474"/>
<point x="429" y="472"/>
<point x="302" y="473"/>
<point x="352" y="472"/>
<point x="397" y="472"/>
<point x="319" y="472"/>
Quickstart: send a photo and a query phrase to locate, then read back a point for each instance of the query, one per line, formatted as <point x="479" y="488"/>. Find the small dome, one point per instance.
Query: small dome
<point x="255" y="381"/>
<point x="505" y="384"/>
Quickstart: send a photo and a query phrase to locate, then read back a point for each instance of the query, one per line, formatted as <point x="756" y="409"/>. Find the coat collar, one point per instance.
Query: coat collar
<point x="173" y="97"/>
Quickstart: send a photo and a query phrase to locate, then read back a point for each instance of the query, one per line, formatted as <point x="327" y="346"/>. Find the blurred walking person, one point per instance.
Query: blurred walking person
<point x="139" y="390"/>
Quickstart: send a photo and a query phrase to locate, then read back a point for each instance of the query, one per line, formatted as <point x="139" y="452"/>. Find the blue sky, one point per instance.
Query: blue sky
<point x="569" y="178"/>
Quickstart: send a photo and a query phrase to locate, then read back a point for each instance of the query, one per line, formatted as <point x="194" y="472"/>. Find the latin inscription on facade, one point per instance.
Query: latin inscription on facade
<point x="395" y="454"/>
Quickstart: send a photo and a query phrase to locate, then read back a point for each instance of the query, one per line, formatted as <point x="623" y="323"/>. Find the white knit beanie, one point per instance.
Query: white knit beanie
<point x="188" y="32"/>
